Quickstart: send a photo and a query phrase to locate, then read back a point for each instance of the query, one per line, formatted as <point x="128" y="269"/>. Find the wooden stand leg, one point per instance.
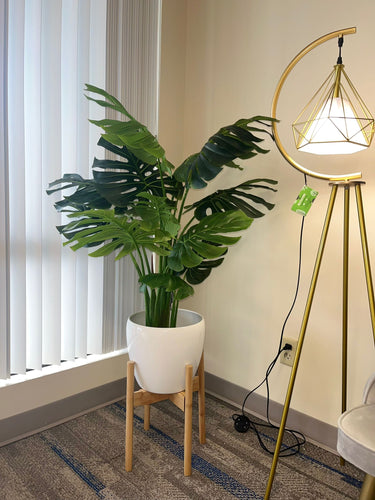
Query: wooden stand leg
<point x="183" y="400"/>
<point x="146" y="417"/>
<point x="188" y="418"/>
<point x="129" y="416"/>
<point x="368" y="488"/>
<point x="201" y="403"/>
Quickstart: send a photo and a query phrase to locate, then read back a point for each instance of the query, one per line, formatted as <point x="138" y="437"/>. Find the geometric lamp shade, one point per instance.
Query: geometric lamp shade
<point x="335" y="120"/>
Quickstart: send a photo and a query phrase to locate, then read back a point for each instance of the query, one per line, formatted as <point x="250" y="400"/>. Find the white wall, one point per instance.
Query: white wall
<point x="221" y="60"/>
<point x="23" y="393"/>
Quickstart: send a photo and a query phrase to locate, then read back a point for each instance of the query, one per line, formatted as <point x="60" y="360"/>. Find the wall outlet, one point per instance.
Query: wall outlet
<point x="287" y="357"/>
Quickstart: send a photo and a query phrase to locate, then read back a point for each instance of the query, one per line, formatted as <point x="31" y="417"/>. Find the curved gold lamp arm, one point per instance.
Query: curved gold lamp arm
<point x="311" y="46"/>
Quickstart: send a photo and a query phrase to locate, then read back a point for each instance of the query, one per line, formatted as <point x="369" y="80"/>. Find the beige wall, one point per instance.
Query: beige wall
<point x="221" y="60"/>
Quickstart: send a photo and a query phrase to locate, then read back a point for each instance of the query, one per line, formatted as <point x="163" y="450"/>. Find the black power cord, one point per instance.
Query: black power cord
<point x="340" y="44"/>
<point x="242" y="423"/>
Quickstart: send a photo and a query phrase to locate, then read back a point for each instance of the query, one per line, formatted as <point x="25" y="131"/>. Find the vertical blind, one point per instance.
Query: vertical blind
<point x="56" y="304"/>
<point x="133" y="45"/>
<point x="4" y="239"/>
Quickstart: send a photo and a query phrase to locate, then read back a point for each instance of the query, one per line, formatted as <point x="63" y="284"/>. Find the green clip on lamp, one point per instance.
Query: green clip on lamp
<point x="335" y="121"/>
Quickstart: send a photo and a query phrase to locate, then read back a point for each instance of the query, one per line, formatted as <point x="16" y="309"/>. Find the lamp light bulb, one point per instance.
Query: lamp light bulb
<point x="335" y="130"/>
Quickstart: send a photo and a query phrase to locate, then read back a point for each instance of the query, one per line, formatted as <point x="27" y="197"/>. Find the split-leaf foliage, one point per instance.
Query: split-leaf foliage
<point x="136" y="205"/>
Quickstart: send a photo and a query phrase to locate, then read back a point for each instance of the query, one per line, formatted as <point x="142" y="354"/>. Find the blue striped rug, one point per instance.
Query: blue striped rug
<point x="84" y="458"/>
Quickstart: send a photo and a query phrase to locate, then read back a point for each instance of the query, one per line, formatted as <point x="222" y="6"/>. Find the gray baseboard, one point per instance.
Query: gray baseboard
<point x="316" y="431"/>
<point x="38" y="419"/>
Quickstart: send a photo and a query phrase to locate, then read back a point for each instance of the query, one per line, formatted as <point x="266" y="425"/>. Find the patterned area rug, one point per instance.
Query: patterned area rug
<point x="84" y="459"/>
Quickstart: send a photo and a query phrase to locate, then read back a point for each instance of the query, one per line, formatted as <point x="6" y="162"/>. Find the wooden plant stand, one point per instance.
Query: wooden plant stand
<point x="183" y="400"/>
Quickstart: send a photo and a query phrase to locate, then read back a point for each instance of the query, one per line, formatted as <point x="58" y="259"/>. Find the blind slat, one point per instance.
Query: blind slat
<point x="4" y="240"/>
<point x="51" y="165"/>
<point x="16" y="158"/>
<point x="33" y="185"/>
<point x="69" y="146"/>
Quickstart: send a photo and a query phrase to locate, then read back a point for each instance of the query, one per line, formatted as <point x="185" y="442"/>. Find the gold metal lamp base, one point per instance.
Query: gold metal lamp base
<point x="370" y="292"/>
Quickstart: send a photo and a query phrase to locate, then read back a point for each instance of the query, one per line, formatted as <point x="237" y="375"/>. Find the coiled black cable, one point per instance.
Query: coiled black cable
<point x="242" y="423"/>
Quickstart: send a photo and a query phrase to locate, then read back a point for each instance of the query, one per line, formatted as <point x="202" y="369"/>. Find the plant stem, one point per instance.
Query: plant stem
<point x="137" y="268"/>
<point x="147" y="260"/>
<point x="148" y="316"/>
<point x="187" y="226"/>
<point x="151" y="308"/>
<point x="182" y="206"/>
<point x="161" y="178"/>
<point x="174" y="312"/>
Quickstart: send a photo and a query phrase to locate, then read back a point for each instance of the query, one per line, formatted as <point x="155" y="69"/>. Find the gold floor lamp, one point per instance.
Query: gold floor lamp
<point x="335" y="121"/>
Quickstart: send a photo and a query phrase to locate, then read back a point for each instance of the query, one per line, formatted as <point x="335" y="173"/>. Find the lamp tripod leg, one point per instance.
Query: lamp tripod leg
<point x="366" y="257"/>
<point x="345" y="287"/>
<point x="301" y="339"/>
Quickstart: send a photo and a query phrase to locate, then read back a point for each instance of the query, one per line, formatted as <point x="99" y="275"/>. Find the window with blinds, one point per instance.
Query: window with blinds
<point x="56" y="304"/>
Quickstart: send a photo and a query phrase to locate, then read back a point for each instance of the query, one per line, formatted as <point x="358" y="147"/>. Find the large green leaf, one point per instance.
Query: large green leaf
<point x="207" y="239"/>
<point x="131" y="133"/>
<point x="155" y="213"/>
<point x="196" y="275"/>
<point x="121" y="182"/>
<point x="110" y="102"/>
<point x="85" y="197"/>
<point x="135" y="136"/>
<point x="170" y="282"/>
<point x="112" y="232"/>
<point x="234" y="198"/>
<point x="183" y="256"/>
<point x="222" y="149"/>
<point x="116" y="183"/>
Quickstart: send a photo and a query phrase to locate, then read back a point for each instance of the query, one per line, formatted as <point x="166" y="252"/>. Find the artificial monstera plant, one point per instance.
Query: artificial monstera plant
<point x="136" y="205"/>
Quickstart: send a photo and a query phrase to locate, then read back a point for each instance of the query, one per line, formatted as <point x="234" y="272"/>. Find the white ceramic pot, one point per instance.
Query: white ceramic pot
<point x="160" y="354"/>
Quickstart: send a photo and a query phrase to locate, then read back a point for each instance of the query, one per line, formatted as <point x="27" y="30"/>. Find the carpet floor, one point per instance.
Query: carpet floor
<point x="84" y="459"/>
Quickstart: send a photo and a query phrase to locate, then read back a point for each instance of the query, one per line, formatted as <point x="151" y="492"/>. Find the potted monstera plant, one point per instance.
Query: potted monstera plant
<point x="136" y="206"/>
